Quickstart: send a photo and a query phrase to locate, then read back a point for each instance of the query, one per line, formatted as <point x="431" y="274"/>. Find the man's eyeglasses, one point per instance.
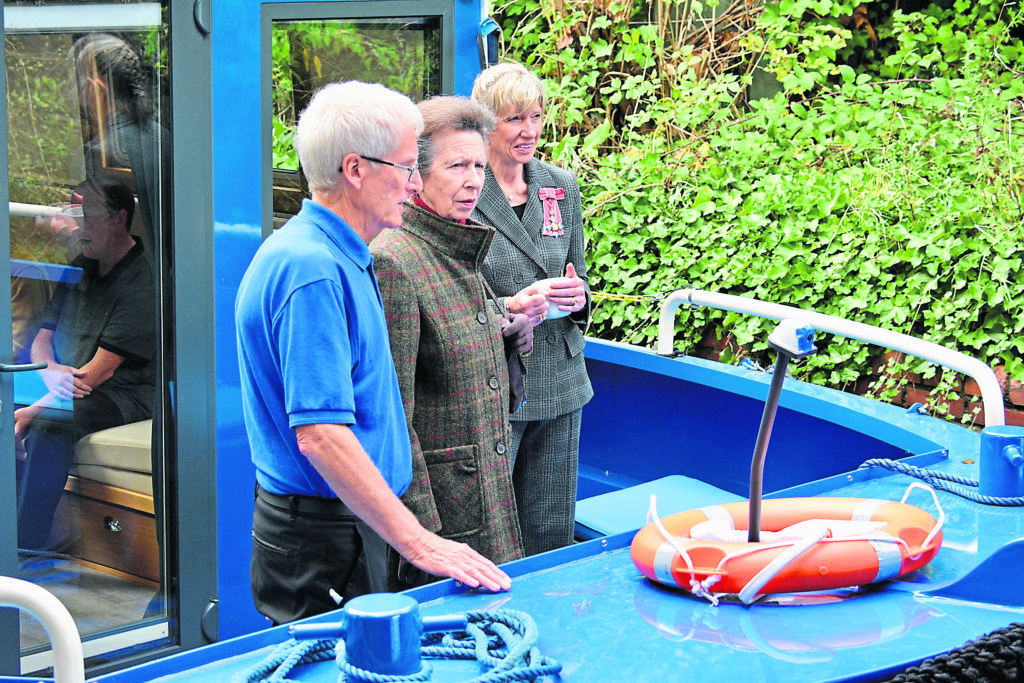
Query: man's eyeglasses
<point x="410" y="169"/>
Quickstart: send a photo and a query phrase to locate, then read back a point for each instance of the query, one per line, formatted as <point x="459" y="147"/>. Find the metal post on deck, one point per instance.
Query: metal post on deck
<point x="791" y="339"/>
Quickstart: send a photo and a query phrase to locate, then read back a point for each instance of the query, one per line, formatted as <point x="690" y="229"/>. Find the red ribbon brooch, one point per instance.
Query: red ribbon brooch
<point x="552" y="216"/>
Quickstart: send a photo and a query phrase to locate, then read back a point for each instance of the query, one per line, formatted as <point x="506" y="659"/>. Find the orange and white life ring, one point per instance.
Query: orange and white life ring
<point x="807" y="544"/>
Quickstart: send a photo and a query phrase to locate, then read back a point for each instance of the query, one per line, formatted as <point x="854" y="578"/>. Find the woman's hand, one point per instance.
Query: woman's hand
<point x="517" y="333"/>
<point x="531" y="302"/>
<point x="569" y="292"/>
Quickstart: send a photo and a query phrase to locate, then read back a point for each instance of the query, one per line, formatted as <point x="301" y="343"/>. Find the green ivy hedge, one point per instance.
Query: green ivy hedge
<point x="883" y="183"/>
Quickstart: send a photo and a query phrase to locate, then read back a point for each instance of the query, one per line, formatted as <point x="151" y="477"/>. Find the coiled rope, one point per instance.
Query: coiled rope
<point x="502" y="640"/>
<point x="918" y="472"/>
<point x="998" y="656"/>
<point x="961" y="486"/>
<point x="285" y="657"/>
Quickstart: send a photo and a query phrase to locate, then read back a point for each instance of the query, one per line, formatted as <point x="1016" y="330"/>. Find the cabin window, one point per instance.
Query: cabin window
<point x="88" y="153"/>
<point x="403" y="53"/>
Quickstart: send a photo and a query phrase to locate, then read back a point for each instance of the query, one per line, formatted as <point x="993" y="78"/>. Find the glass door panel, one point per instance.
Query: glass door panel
<point x="88" y="157"/>
<point x="403" y="53"/>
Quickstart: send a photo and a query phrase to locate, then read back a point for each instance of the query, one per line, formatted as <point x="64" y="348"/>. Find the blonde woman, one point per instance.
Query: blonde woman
<point x="536" y="210"/>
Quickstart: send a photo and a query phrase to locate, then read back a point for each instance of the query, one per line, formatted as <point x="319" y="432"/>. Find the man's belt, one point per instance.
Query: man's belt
<point x="303" y="505"/>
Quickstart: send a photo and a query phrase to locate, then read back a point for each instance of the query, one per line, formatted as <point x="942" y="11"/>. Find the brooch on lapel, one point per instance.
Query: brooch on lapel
<point x="549" y="196"/>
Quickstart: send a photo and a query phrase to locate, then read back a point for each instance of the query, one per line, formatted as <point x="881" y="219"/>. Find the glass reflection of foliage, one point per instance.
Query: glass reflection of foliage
<point x="402" y="54"/>
<point x="45" y="132"/>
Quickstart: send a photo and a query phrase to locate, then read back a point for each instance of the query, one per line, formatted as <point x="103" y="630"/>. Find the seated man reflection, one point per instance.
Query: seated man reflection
<point x="99" y="338"/>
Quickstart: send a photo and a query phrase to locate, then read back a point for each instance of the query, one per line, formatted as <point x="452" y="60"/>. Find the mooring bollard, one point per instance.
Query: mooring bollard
<point x="1002" y="462"/>
<point x="382" y="632"/>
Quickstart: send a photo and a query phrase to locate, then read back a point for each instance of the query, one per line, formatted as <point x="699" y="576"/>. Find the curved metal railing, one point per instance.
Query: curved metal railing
<point x="991" y="392"/>
<point x="69" y="666"/>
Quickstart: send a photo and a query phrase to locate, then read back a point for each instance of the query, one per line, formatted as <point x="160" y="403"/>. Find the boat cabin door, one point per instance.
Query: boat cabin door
<point x="88" y="331"/>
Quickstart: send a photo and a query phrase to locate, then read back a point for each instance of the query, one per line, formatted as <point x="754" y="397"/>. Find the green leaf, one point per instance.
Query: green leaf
<point x="596" y="137"/>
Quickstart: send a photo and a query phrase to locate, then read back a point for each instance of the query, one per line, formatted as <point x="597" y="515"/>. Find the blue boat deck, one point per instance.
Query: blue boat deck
<point x="655" y="417"/>
<point x="603" y="621"/>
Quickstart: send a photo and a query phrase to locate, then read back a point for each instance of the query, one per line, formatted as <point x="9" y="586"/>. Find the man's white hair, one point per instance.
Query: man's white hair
<point x="350" y="118"/>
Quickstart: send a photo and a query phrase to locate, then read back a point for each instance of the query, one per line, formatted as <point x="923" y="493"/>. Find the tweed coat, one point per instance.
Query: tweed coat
<point x="556" y="375"/>
<point x="453" y="375"/>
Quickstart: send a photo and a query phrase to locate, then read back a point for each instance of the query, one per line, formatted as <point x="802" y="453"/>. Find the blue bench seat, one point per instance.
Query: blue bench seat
<point x="626" y="509"/>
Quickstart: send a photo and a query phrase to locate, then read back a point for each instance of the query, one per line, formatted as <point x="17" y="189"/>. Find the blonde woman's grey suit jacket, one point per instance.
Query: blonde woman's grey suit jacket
<point x="556" y="379"/>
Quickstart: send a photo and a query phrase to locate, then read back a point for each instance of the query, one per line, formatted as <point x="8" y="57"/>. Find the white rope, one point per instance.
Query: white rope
<point x="698" y="588"/>
<point x="938" y="524"/>
<point x="769" y="571"/>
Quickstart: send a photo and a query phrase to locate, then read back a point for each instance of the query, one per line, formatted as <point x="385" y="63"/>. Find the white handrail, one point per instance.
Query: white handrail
<point x="31" y="210"/>
<point x="991" y="392"/>
<point x="69" y="663"/>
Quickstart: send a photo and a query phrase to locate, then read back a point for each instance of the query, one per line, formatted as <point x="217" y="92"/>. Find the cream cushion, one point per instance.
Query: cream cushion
<point x="119" y="456"/>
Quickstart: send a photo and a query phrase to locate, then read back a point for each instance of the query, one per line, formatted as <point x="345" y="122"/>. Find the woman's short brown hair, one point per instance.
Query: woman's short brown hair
<point x="449" y="113"/>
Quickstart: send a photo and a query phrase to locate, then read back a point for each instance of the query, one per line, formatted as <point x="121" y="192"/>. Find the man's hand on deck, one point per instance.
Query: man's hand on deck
<point x="441" y="557"/>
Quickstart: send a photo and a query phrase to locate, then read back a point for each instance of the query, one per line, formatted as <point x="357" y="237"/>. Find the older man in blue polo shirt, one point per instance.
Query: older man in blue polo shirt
<point x="322" y="405"/>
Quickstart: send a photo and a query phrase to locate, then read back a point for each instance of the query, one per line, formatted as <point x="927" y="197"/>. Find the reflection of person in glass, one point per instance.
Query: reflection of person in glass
<point x="447" y="344"/>
<point x="114" y="96"/>
<point x="119" y="93"/>
<point x="99" y="339"/>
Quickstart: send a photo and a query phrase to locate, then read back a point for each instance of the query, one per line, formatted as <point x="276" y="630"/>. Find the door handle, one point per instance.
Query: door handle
<point x="201" y="18"/>
<point x="21" y="367"/>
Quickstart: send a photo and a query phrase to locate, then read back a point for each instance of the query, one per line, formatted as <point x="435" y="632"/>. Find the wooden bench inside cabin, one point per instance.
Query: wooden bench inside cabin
<point x="108" y="503"/>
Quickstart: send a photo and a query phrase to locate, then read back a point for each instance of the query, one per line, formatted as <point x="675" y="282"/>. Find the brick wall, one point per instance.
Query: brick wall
<point x="914" y="388"/>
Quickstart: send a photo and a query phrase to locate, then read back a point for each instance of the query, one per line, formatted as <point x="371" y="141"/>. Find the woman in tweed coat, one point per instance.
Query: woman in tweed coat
<point x="537" y="212"/>
<point x="448" y="344"/>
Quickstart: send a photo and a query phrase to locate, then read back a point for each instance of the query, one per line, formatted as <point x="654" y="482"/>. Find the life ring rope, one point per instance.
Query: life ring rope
<point x="942" y="513"/>
<point x="794" y="549"/>
<point x="758" y="581"/>
<point x="699" y="588"/>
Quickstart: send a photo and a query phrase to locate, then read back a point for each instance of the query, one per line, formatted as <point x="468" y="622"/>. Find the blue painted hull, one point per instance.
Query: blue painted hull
<point x="603" y="621"/>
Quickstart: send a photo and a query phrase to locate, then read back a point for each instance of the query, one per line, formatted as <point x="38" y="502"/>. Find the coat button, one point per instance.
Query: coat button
<point x="518" y="278"/>
<point x="481" y="317"/>
<point x="493" y="382"/>
<point x="500" y="448"/>
<point x="550" y="339"/>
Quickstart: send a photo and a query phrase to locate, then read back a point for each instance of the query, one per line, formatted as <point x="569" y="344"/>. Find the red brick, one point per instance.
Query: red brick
<point x="1015" y="417"/>
<point x="937" y="378"/>
<point x="916" y="395"/>
<point x="953" y="408"/>
<point x="971" y="386"/>
<point x="881" y="363"/>
<point x="979" y="419"/>
<point x="709" y="340"/>
<point x="1001" y="376"/>
<point x="1016" y="392"/>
